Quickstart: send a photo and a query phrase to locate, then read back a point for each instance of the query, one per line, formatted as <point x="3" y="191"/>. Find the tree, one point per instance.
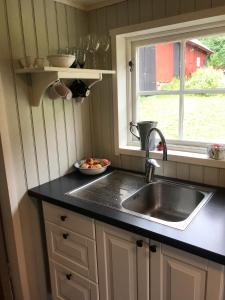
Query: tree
<point x="217" y="45"/>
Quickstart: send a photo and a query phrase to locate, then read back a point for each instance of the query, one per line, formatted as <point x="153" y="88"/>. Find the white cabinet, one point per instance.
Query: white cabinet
<point x="91" y="260"/>
<point x="123" y="264"/>
<point x="69" y="285"/>
<point x="177" y="275"/>
<point x="72" y="254"/>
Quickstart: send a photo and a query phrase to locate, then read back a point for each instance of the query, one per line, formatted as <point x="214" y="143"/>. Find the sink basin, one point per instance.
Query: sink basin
<point x="168" y="203"/>
<point x="163" y="201"/>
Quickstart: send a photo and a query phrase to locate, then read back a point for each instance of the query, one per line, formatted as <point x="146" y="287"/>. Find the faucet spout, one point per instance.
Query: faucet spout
<point x="151" y="164"/>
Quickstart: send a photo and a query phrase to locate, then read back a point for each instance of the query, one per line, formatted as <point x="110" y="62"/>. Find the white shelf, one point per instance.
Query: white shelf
<point x="42" y="78"/>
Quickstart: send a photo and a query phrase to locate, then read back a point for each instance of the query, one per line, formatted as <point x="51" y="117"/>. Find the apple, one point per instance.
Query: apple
<point x="84" y="166"/>
<point x="90" y="161"/>
<point x="104" y="162"/>
<point x="98" y="166"/>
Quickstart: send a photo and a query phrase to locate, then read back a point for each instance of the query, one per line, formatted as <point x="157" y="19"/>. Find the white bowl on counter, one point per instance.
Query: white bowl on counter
<point x="61" y="60"/>
<point x="90" y="171"/>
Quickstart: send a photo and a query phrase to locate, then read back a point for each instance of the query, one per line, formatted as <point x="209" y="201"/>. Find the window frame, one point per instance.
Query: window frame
<point x="211" y="21"/>
<point x="132" y="46"/>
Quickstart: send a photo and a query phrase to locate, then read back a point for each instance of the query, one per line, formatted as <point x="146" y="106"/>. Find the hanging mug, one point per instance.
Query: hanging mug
<point x="143" y="130"/>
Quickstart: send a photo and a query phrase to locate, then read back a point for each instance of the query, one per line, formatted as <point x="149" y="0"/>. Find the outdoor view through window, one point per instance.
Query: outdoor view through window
<point x="181" y="85"/>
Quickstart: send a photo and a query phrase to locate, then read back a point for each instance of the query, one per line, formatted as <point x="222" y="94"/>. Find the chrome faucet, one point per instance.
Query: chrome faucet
<point x="151" y="164"/>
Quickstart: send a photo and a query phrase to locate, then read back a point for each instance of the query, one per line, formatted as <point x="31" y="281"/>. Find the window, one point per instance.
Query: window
<point x="180" y="83"/>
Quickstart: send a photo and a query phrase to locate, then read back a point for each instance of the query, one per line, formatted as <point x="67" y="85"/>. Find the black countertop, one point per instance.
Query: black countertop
<point x="204" y="236"/>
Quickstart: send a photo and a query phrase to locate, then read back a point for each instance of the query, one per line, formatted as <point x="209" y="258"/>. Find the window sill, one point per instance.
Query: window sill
<point x="176" y="156"/>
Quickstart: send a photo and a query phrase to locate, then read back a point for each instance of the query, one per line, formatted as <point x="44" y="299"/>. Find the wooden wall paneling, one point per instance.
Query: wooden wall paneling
<point x="203" y="4"/>
<point x="187" y="6"/>
<point x="25" y="117"/>
<point x="37" y="112"/>
<point x="58" y="104"/>
<point x="48" y="106"/>
<point x="85" y="126"/>
<point x="133" y="11"/>
<point x="30" y="135"/>
<point x="13" y="136"/>
<point x="172" y="7"/>
<point x="122" y="16"/>
<point x="217" y="3"/>
<point x="68" y="105"/>
<point x="82" y="110"/>
<point x="146" y="10"/>
<point x="159" y="9"/>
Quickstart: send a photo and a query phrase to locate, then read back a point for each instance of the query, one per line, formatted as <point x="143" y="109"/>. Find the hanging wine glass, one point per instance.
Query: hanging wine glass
<point x="81" y="58"/>
<point x="104" y="47"/>
<point x="94" y="46"/>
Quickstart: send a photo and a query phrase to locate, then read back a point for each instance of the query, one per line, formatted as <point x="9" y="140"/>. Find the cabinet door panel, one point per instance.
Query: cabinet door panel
<point x="72" y="250"/>
<point x="67" y="285"/>
<point x="182" y="281"/>
<point x="118" y="262"/>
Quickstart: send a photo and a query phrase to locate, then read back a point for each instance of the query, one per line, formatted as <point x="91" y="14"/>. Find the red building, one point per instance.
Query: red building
<point x="161" y="63"/>
<point x="196" y="56"/>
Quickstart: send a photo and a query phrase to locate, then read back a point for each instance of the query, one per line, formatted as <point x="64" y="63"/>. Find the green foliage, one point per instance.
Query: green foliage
<point x="217" y="45"/>
<point x="204" y="78"/>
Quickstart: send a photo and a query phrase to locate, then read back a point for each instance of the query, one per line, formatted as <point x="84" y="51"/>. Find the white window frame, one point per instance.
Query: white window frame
<point x="199" y="146"/>
<point x="211" y="21"/>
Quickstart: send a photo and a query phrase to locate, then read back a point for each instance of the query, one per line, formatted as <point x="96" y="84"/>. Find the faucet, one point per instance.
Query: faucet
<point x="151" y="164"/>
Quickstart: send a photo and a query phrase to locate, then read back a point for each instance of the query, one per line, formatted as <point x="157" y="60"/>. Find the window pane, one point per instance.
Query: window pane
<point x="164" y="110"/>
<point x="205" y="63"/>
<point x="159" y="67"/>
<point x="204" y="118"/>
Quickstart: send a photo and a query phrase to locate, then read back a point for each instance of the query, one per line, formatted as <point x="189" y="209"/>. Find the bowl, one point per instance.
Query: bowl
<point x="90" y="171"/>
<point x="61" y="60"/>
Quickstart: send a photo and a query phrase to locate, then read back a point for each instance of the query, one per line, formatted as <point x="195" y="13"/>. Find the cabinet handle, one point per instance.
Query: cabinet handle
<point x="68" y="276"/>
<point x="139" y="243"/>
<point x="63" y="218"/>
<point x="65" y="235"/>
<point x="153" y="248"/>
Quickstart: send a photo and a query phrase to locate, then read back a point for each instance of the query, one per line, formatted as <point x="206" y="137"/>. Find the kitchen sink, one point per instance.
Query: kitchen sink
<point x="168" y="203"/>
<point x="162" y="201"/>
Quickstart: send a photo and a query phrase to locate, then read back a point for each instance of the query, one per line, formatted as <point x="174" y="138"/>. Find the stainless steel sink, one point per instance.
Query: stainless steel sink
<point x="168" y="203"/>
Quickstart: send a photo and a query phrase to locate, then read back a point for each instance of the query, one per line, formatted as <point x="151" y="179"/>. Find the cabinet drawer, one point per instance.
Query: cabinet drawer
<point x="72" y="250"/>
<point x="69" y="220"/>
<point x="68" y="285"/>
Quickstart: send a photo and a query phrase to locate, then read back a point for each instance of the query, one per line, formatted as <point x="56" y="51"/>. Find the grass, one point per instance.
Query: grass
<point x="204" y="116"/>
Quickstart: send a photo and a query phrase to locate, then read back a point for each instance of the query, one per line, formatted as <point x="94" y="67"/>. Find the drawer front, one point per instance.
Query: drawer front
<point x="69" y="220"/>
<point x="72" y="250"/>
<point x="68" y="285"/>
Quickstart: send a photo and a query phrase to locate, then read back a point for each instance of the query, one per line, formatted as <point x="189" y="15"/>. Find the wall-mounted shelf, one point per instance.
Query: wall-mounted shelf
<point x="44" y="77"/>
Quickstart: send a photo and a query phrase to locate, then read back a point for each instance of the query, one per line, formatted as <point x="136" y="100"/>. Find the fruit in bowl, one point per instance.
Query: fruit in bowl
<point x="92" y="166"/>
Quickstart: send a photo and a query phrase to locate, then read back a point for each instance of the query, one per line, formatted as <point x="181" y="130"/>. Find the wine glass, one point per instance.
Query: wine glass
<point x="81" y="58"/>
<point x="104" y="47"/>
<point x="94" y="46"/>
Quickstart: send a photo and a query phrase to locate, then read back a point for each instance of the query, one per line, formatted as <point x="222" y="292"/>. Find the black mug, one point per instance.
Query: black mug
<point x="143" y="129"/>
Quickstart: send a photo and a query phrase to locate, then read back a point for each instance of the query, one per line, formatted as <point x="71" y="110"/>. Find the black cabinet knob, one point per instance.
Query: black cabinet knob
<point x="139" y="243"/>
<point x="153" y="248"/>
<point x="68" y="276"/>
<point x="63" y="218"/>
<point x="65" y="235"/>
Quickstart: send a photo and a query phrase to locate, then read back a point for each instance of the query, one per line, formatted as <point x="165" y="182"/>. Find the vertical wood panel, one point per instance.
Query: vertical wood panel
<point x="172" y="7"/>
<point x="146" y="10"/>
<point x="187" y="6"/>
<point x="203" y="4"/>
<point x="159" y="9"/>
<point x="217" y="3"/>
<point x="122" y="16"/>
<point x="134" y="11"/>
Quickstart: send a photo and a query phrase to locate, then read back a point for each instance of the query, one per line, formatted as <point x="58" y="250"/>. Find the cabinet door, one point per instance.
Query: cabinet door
<point x="177" y="275"/>
<point x="72" y="250"/>
<point x="68" y="285"/>
<point x="123" y="264"/>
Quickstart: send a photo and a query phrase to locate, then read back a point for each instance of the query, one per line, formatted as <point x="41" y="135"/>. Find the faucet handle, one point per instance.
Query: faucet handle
<point x="153" y="162"/>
